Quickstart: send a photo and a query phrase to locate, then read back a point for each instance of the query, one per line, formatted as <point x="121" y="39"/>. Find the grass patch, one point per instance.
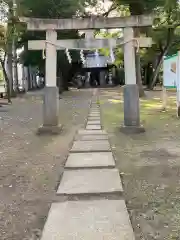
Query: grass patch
<point x="150" y="163"/>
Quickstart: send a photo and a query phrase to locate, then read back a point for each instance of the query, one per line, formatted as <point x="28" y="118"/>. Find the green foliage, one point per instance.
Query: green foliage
<point x="1" y="75"/>
<point x="40" y="9"/>
<point x="137" y="7"/>
<point x="48" y="9"/>
<point x="118" y="51"/>
<point x="166" y="30"/>
<point x="55" y="8"/>
<point x="2" y="36"/>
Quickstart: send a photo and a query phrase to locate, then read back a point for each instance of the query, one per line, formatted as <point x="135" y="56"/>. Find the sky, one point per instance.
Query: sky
<point x="102" y="6"/>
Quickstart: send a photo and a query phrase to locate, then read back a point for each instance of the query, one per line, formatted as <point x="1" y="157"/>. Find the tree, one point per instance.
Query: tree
<point x="3" y="45"/>
<point x="165" y="34"/>
<point x="52" y="9"/>
<point x="12" y="29"/>
<point x="41" y="9"/>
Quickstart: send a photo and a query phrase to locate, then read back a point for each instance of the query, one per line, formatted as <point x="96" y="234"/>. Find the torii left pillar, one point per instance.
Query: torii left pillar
<point x="51" y="95"/>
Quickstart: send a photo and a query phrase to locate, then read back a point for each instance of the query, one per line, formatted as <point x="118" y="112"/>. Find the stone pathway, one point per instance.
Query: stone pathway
<point x="94" y="208"/>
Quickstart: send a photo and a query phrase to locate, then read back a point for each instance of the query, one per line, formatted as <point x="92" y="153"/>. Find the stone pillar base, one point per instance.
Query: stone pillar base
<point x="50" y="112"/>
<point x="131" y="110"/>
<point x="49" y="130"/>
<point x="132" y="130"/>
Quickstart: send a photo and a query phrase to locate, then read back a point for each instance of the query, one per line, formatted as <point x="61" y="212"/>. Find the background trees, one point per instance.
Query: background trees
<point x="18" y="33"/>
<point x="165" y="32"/>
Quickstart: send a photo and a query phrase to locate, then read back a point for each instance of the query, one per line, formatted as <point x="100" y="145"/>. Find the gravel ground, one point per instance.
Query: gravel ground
<point x="149" y="164"/>
<point x="31" y="165"/>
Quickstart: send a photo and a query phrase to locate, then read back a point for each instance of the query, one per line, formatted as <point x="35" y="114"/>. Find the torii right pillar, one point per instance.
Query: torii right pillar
<point x="131" y="90"/>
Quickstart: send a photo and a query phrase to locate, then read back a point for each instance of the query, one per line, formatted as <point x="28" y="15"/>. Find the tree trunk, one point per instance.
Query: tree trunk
<point x="158" y="67"/>
<point x="59" y="81"/>
<point x="7" y="81"/>
<point x="14" y="69"/>
<point x="139" y="76"/>
<point x="29" y="78"/>
<point x="65" y="85"/>
<point x="149" y="74"/>
<point x="34" y="80"/>
<point x="170" y="35"/>
<point x="145" y="74"/>
<point x="10" y="69"/>
<point x="65" y="76"/>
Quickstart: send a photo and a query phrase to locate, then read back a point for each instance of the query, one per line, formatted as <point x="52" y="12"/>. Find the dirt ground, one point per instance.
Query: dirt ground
<point x="30" y="165"/>
<point x="149" y="164"/>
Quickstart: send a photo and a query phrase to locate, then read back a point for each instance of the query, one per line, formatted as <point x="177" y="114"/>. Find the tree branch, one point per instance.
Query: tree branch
<point x="105" y="14"/>
<point x="112" y="8"/>
<point x="160" y="46"/>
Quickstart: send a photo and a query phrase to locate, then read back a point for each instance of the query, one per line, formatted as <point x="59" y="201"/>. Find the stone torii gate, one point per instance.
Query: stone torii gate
<point x="51" y="44"/>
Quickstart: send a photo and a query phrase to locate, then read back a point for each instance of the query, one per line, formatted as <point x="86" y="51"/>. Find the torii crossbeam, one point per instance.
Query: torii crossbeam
<point x="86" y="44"/>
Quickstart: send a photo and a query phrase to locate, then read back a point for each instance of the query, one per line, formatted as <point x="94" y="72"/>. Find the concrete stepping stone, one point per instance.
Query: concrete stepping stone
<point x="92" y="132"/>
<point x="95" y="110"/>
<point x="94" y="118"/>
<point x="94" y="104"/>
<point x="90" y="181"/>
<point x="93" y="127"/>
<point x="98" y="117"/>
<point x="91" y="137"/>
<point x="94" y="114"/>
<point x="84" y="160"/>
<point x="88" y="220"/>
<point x="94" y="122"/>
<point x="91" y="146"/>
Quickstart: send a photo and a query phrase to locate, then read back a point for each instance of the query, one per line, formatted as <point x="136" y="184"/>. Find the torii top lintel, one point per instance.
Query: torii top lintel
<point x="37" y="24"/>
